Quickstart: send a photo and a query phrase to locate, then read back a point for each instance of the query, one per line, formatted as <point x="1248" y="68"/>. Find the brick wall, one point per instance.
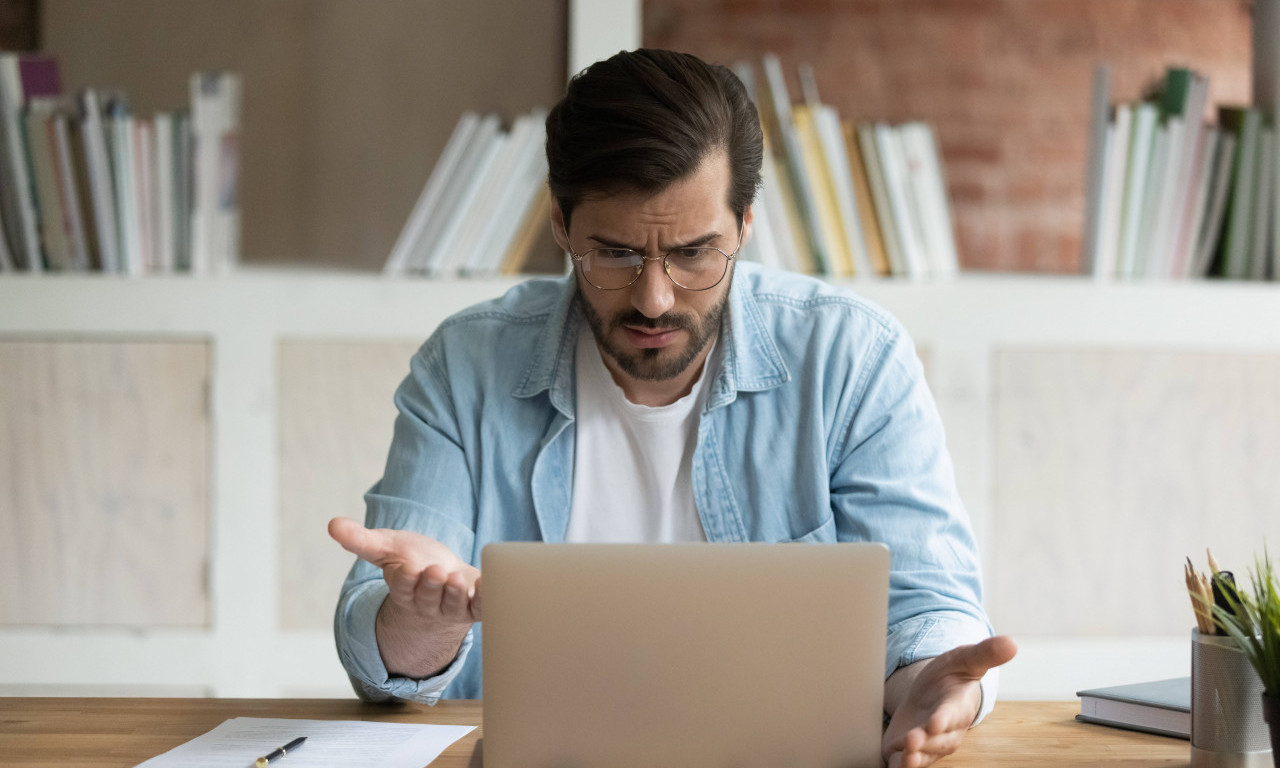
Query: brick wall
<point x="1006" y="83"/>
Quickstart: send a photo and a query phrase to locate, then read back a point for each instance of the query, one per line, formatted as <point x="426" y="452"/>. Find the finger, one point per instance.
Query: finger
<point x="976" y="660"/>
<point x="909" y="741"/>
<point x="454" y="603"/>
<point x="912" y="742"/>
<point x="429" y="591"/>
<point x="933" y="749"/>
<point x="401" y="581"/>
<point x="366" y="544"/>
<point x="475" y="601"/>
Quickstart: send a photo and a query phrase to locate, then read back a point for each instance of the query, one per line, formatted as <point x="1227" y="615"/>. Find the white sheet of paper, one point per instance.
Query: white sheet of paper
<point x="237" y="742"/>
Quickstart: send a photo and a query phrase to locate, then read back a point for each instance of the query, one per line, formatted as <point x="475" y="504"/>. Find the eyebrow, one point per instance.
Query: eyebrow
<point x="697" y="242"/>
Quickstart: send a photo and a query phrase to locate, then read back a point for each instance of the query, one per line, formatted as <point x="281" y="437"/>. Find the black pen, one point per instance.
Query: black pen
<point x="279" y="752"/>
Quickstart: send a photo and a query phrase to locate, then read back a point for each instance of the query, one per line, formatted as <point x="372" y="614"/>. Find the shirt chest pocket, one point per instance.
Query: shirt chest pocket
<point x="825" y="533"/>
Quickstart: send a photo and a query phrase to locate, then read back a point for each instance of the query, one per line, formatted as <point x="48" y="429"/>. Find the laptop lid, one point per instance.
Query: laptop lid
<point x="609" y="655"/>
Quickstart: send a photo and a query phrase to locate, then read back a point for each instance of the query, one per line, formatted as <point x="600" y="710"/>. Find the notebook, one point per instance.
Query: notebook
<point x="612" y="655"/>
<point x="1161" y="706"/>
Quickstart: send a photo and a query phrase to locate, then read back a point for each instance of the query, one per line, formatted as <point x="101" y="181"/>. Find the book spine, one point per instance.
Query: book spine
<point x="93" y="133"/>
<point x="20" y="211"/>
<point x="1095" y="172"/>
<point x="69" y="193"/>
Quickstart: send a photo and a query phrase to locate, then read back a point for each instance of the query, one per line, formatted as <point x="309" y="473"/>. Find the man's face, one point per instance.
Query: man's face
<point x="653" y="330"/>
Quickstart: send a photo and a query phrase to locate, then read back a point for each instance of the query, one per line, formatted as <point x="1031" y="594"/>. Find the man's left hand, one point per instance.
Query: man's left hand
<point x="942" y="698"/>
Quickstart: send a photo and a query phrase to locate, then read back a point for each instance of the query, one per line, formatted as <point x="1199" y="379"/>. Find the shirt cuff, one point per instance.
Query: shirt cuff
<point x="933" y="634"/>
<point x="358" y="650"/>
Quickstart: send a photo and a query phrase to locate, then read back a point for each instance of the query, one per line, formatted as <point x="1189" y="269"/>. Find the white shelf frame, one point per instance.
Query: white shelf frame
<point x="244" y="316"/>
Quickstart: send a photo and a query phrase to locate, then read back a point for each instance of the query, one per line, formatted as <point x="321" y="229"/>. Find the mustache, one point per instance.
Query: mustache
<point x="669" y="321"/>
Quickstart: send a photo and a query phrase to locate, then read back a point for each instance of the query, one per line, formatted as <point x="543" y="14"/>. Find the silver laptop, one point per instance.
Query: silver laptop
<point x="603" y="655"/>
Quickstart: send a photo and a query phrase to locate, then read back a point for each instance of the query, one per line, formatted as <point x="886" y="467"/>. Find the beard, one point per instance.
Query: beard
<point x="660" y="364"/>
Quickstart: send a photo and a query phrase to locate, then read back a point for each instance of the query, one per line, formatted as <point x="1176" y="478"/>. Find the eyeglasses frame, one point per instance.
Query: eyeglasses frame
<point x="666" y="265"/>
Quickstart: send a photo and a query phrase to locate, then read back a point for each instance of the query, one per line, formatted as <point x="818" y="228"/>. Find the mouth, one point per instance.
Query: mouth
<point x="650" y="338"/>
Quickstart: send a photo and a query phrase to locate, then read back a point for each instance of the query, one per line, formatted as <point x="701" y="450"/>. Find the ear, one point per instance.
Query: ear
<point x="748" y="217"/>
<point x="558" y="229"/>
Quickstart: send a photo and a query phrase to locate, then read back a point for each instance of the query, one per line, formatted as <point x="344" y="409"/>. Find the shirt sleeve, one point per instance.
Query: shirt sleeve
<point x="425" y="488"/>
<point x="358" y="648"/>
<point x="894" y="483"/>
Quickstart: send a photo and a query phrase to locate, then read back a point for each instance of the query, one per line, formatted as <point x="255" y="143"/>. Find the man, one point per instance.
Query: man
<point x="664" y="392"/>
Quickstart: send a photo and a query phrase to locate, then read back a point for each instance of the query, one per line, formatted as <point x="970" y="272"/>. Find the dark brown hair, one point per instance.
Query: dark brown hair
<point x="641" y="120"/>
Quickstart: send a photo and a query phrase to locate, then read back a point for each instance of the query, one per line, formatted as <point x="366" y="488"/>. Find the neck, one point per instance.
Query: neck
<point x="656" y="394"/>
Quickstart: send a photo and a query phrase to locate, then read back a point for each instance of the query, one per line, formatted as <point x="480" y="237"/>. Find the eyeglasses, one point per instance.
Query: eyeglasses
<point x="694" y="269"/>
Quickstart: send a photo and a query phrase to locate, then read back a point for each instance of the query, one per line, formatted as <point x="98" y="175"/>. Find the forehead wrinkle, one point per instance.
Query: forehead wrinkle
<point x="695" y="242"/>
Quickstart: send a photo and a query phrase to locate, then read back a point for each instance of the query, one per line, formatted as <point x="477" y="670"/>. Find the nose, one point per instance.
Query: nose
<point x="653" y="293"/>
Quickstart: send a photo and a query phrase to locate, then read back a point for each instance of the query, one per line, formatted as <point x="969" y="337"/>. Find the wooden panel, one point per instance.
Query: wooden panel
<point x="336" y="415"/>
<point x="104" y="478"/>
<point x="1110" y="467"/>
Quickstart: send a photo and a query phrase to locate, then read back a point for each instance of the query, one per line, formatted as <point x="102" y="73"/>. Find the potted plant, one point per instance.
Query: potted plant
<point x="1252" y="618"/>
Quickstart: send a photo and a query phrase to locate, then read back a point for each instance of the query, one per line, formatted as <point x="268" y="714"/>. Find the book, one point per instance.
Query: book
<point x="822" y="187"/>
<point x="929" y="188"/>
<point x="1095" y="171"/>
<point x="790" y="163"/>
<point x="41" y="152"/>
<point x="93" y="133"/>
<point x="1140" y="142"/>
<point x="164" y="211"/>
<point x="834" y="148"/>
<point x="906" y="218"/>
<point x="518" y="196"/>
<point x="1108" y="254"/>
<point x="880" y="195"/>
<point x="763" y="245"/>
<point x="787" y="243"/>
<point x="126" y="188"/>
<point x="16" y="179"/>
<point x="1177" y="232"/>
<point x="215" y="127"/>
<point x="1202" y="185"/>
<point x="441" y="260"/>
<point x="1264" y="188"/>
<point x="866" y="206"/>
<point x="1167" y="137"/>
<point x="1215" y="209"/>
<point x="1237" y="239"/>
<point x="409" y="241"/>
<point x="476" y="143"/>
<point x="6" y="259"/>
<point x="792" y="245"/>
<point x="69" y="192"/>
<point x="536" y="222"/>
<point x="1161" y="707"/>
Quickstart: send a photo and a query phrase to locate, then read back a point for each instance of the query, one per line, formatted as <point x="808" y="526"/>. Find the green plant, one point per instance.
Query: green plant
<point x="1252" y="618"/>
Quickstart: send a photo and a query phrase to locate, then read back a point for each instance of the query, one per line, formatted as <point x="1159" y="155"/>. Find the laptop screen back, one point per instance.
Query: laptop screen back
<point x="683" y="654"/>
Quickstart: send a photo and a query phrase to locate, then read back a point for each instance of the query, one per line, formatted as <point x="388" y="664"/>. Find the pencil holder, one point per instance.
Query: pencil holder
<point x="1227" y="728"/>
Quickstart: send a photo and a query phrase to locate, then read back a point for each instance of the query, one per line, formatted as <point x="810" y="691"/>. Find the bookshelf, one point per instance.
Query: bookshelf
<point x="994" y="346"/>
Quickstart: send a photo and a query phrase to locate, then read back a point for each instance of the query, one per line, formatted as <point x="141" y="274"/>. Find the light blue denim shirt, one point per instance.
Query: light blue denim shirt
<point x="818" y="427"/>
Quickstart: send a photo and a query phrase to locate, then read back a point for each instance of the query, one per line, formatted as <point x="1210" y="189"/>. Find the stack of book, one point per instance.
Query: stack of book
<point x="484" y="205"/>
<point x="842" y="199"/>
<point x="86" y="185"/>
<point x="1170" y="195"/>
<point x="838" y="199"/>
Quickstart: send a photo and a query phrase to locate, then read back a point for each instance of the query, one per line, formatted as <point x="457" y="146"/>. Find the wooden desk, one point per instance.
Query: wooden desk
<point x="119" y="733"/>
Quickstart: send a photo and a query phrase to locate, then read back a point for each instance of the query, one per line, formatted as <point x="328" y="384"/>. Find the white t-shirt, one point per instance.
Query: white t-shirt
<point x="632" y="464"/>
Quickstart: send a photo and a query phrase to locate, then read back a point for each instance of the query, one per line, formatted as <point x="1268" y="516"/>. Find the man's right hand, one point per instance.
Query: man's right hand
<point x="434" y="596"/>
